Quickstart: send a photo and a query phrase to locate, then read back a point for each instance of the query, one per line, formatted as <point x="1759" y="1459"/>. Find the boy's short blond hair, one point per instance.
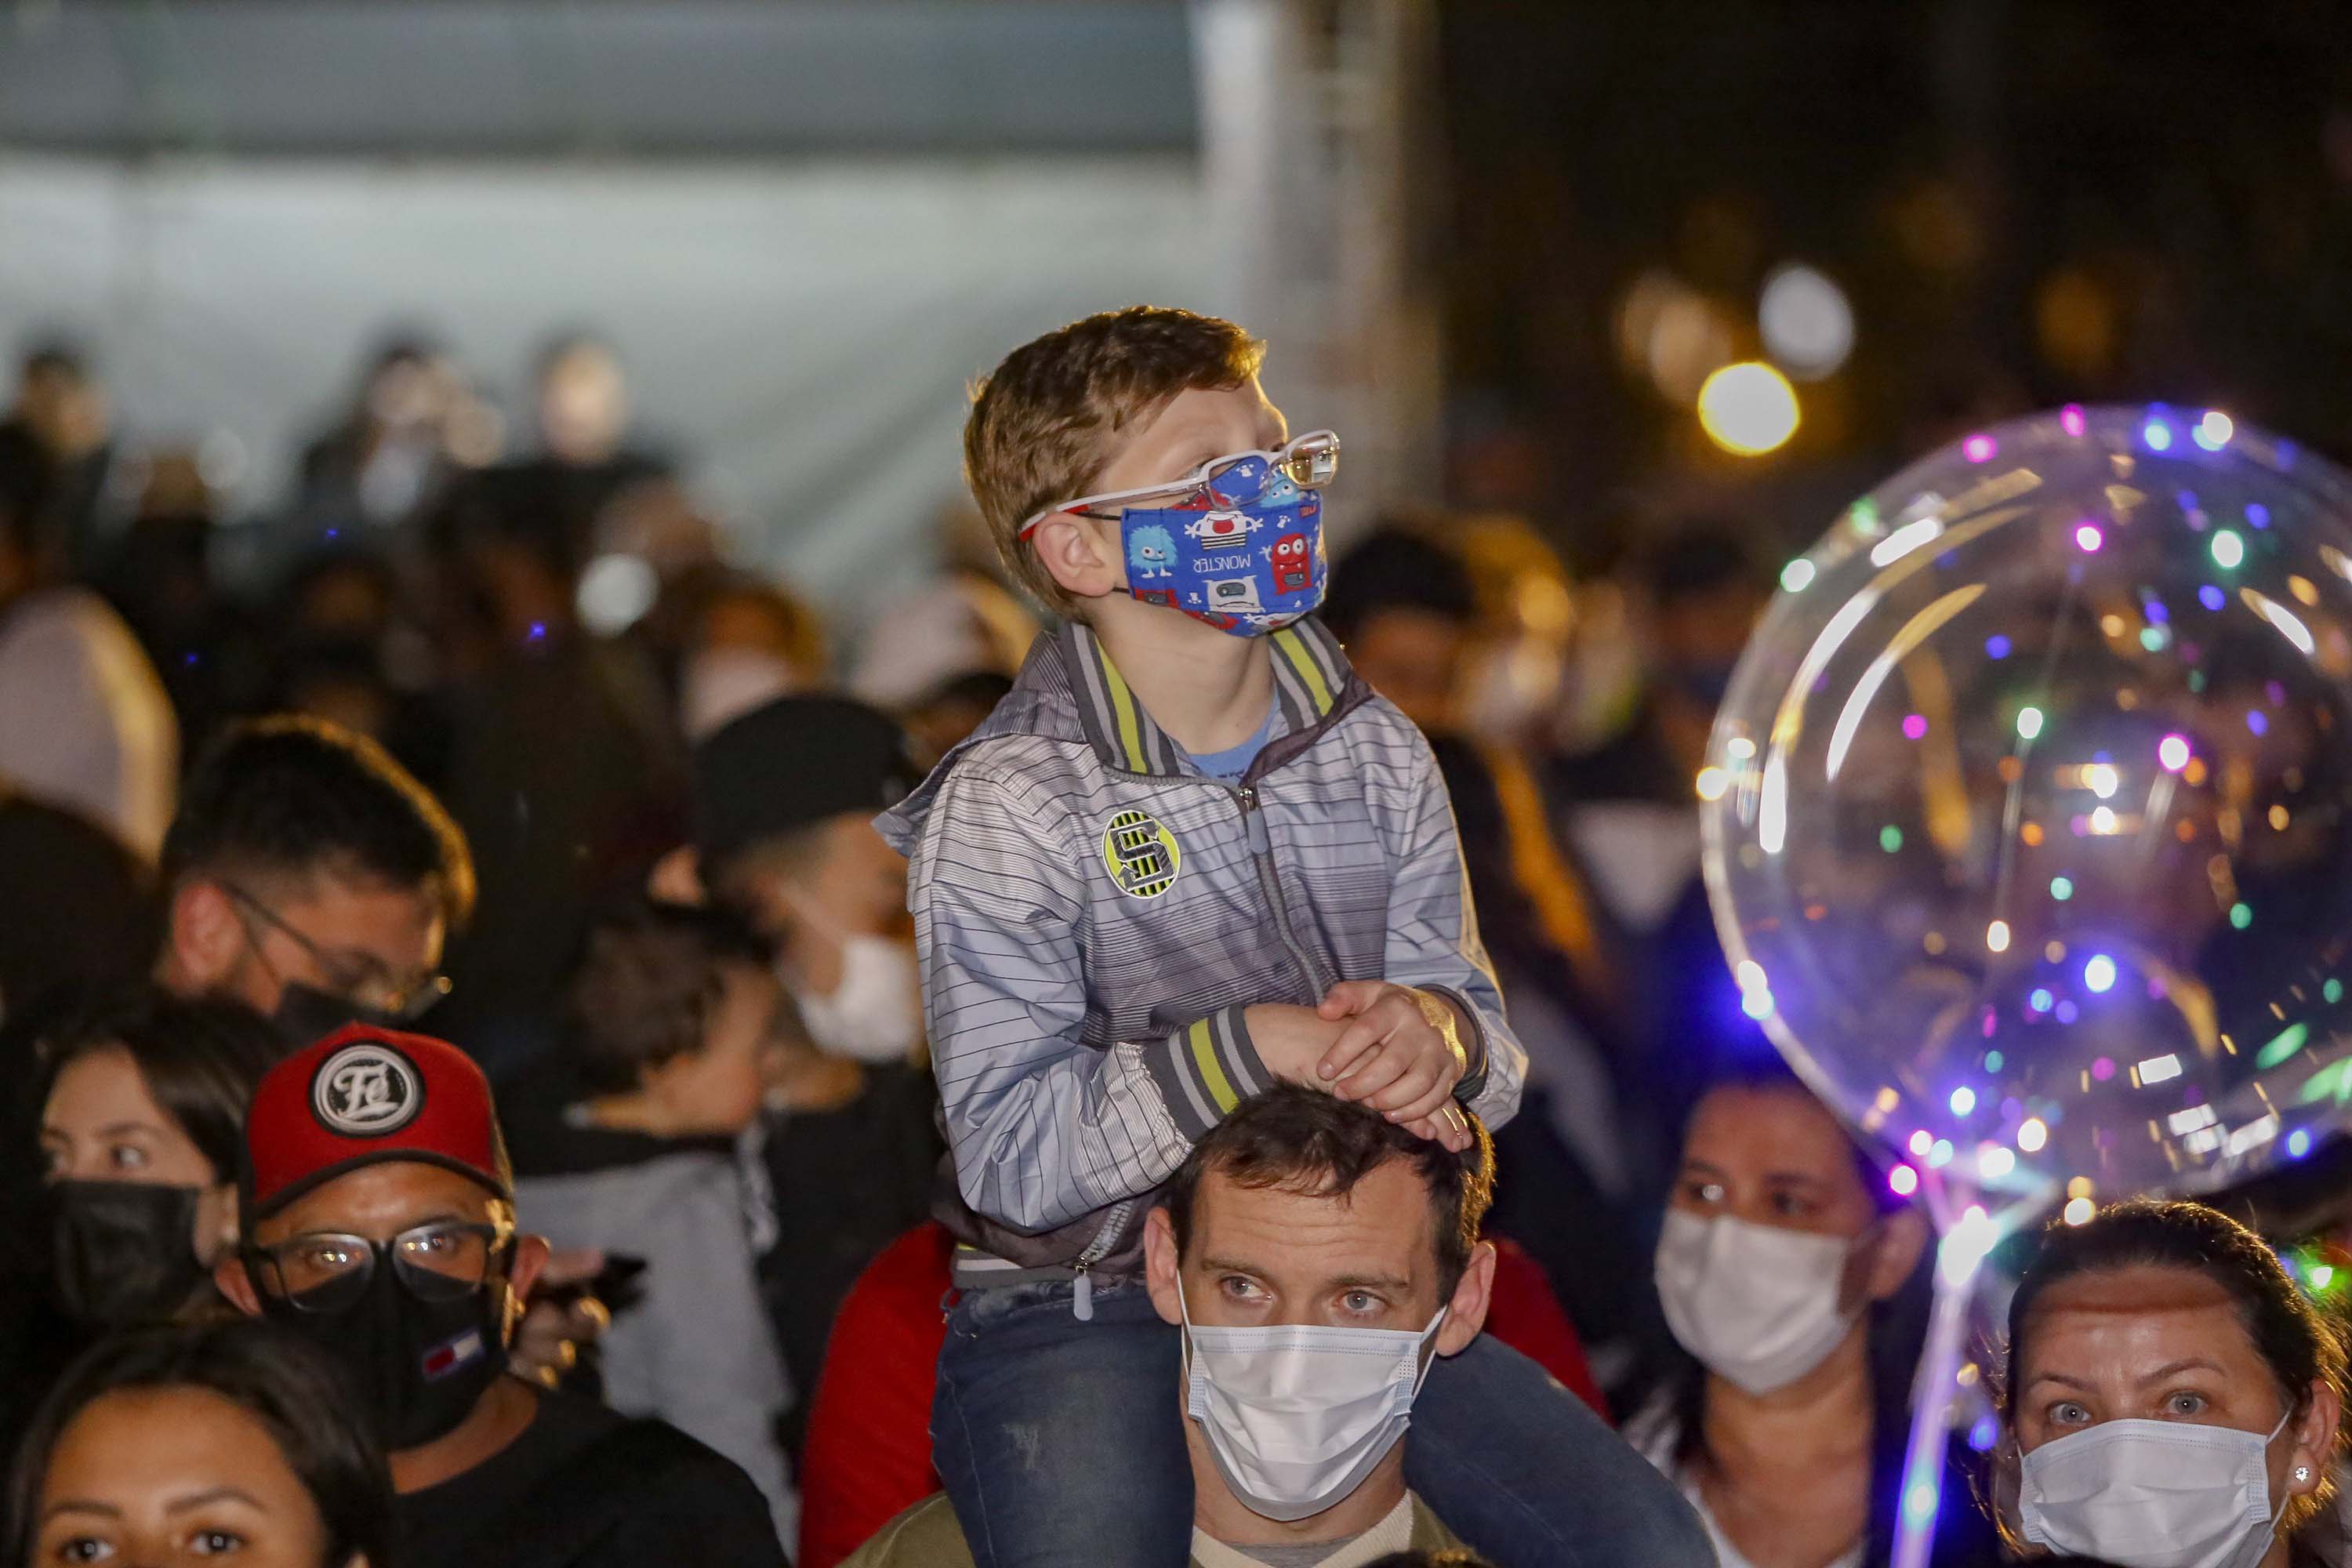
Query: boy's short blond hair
<point x="1042" y="423"/>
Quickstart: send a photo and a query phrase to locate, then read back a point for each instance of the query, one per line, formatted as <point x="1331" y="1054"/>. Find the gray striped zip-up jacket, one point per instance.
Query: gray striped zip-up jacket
<point x="1094" y="918"/>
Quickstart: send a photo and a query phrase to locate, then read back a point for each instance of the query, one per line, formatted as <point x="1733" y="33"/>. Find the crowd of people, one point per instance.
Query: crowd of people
<point x="1232" y="1062"/>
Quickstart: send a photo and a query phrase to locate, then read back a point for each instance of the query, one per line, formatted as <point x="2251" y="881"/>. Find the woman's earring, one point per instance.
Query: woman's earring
<point x="2302" y="1472"/>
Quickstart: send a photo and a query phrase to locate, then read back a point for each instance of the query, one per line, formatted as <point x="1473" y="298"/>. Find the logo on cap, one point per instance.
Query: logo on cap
<point x="366" y="1091"/>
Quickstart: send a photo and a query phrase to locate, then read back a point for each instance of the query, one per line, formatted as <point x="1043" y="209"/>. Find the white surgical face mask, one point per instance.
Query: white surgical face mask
<point x="2151" y="1494"/>
<point x="1758" y="1305"/>
<point x="1298" y="1416"/>
<point x="875" y="1014"/>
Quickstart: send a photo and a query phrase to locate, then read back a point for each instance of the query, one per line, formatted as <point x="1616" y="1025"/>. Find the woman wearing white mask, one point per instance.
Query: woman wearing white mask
<point x="1795" y="1284"/>
<point x="2172" y="1400"/>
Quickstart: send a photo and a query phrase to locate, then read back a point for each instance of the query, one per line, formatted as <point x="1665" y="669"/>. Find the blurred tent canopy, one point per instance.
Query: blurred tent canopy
<point x="804" y="226"/>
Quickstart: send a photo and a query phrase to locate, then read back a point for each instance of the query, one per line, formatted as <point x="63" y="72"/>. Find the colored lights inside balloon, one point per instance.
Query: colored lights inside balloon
<point x="1903" y="1180"/>
<point x="2070" y="419"/>
<point x="2099" y="974"/>
<point x="1712" y="783"/>
<point x="1964" y="1101"/>
<point x="2298" y="1143"/>
<point x="2158" y="436"/>
<point x="2078" y="1211"/>
<point x="2041" y="1001"/>
<point x="2029" y="723"/>
<point x="1890" y="838"/>
<point x="1755" y="993"/>
<point x="2213" y="431"/>
<point x="1797" y="575"/>
<point x="1995" y="1162"/>
<point x="1996" y="646"/>
<point x="2242" y="915"/>
<point x="1914" y="727"/>
<point x="2062" y="889"/>
<point x="1748" y="409"/>
<point x="2032" y="1134"/>
<point x="2229" y="554"/>
<point x="1996" y="937"/>
<point x="1980" y="448"/>
<point x="1922" y="1141"/>
<point x="2173" y="752"/>
<point x="2088" y="538"/>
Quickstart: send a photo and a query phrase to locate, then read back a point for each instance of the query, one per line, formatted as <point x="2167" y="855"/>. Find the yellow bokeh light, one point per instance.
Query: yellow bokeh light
<point x="1712" y="783"/>
<point x="1748" y="409"/>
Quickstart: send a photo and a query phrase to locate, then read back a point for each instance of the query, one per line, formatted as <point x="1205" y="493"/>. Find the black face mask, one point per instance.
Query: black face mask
<point x="305" y="1013"/>
<point x="418" y="1367"/>
<point x="121" y="1252"/>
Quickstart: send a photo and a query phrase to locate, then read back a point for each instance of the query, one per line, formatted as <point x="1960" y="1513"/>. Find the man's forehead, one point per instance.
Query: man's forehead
<point x="1381" y="1227"/>
<point x="382" y="1200"/>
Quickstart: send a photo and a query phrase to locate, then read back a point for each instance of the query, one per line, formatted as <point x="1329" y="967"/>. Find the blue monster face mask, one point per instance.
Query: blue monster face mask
<point x="1244" y="553"/>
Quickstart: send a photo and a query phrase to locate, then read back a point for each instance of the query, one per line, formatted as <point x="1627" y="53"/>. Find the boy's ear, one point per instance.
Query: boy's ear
<point x="1078" y="556"/>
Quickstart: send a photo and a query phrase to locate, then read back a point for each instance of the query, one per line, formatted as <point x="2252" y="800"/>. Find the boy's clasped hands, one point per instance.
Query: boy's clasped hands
<point x="1394" y="1048"/>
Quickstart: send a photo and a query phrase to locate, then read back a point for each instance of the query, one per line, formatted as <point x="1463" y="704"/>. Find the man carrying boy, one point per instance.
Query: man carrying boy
<point x="1189" y="856"/>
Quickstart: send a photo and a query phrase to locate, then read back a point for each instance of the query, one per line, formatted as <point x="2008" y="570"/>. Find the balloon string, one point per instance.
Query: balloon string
<point x="1931" y="1401"/>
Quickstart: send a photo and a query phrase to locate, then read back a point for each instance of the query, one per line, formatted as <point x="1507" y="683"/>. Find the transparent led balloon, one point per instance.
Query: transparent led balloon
<point x="2031" y="847"/>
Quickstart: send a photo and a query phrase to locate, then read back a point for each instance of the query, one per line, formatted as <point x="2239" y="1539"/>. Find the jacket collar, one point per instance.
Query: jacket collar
<point x="1312" y="684"/>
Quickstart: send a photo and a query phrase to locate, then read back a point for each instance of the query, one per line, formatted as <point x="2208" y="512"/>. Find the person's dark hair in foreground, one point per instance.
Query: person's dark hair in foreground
<point x="2170" y="1395"/>
<point x="1310" y="1141"/>
<point x="1430" y="1560"/>
<point x="159" y="1435"/>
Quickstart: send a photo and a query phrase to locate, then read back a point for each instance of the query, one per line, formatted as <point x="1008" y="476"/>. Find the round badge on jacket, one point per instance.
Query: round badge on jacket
<point x="1140" y="855"/>
<point x="367" y="1090"/>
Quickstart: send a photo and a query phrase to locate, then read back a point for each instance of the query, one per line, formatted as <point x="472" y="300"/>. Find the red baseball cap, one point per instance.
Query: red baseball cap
<point x="362" y="1095"/>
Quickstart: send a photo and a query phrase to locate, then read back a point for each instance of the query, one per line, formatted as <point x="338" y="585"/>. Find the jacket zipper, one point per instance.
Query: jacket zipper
<point x="1260" y="848"/>
<point x="1082" y="1297"/>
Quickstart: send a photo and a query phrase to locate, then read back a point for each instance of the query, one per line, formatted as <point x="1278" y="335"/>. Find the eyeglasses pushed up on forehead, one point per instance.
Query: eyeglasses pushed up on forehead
<point x="328" y="1272"/>
<point x="1309" y="461"/>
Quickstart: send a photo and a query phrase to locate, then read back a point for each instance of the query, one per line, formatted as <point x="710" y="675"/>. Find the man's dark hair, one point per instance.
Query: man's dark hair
<point x="283" y="1384"/>
<point x="54" y="356"/>
<point x="1305" y="1140"/>
<point x="1394" y="568"/>
<point x="643" y="990"/>
<point x="201" y="1059"/>
<point x="289" y="796"/>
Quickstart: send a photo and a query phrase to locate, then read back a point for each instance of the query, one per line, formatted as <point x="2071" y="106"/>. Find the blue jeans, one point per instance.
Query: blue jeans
<point x="1062" y="1445"/>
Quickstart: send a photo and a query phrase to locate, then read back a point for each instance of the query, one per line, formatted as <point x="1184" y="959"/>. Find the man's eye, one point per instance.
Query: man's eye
<point x="1362" y="1301"/>
<point x="216" y="1542"/>
<point x="84" y="1548"/>
<point x="1791" y="1206"/>
<point x="1238" y="1287"/>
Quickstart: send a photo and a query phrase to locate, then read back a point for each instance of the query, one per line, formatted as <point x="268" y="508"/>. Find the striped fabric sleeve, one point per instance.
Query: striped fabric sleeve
<point x="1206" y="1068"/>
<point x="1432" y="944"/>
<point x="1043" y="1127"/>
